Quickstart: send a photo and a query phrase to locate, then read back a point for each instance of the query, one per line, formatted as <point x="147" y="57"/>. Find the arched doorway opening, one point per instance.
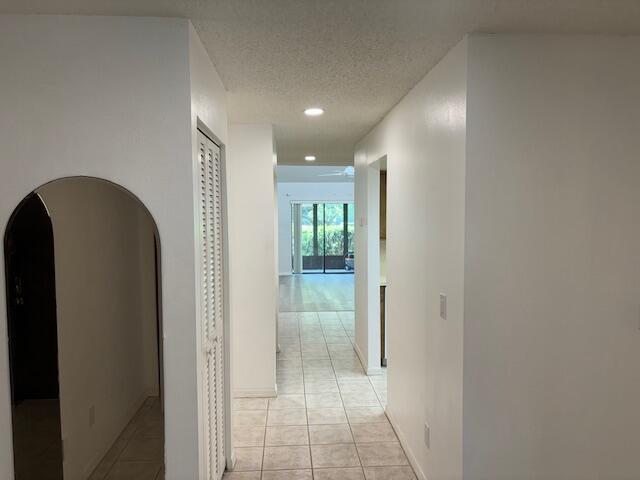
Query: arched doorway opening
<point x="84" y="321"/>
<point x="33" y="340"/>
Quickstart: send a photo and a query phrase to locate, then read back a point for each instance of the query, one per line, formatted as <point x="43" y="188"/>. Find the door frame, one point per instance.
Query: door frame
<point x="230" y="457"/>
<point x="367" y="279"/>
<point x="158" y="289"/>
<point x="7" y="270"/>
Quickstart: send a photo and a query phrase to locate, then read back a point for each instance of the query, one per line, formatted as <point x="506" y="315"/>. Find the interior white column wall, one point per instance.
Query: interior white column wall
<point x="367" y="262"/>
<point x="552" y="296"/>
<point x="111" y="97"/>
<point x="513" y="182"/>
<point x="423" y="138"/>
<point x="252" y="229"/>
<point x="208" y="106"/>
<point x="362" y="283"/>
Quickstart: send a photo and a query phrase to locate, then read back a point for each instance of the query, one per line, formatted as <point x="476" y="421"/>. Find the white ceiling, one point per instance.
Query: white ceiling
<point x="355" y="58"/>
<point x="311" y="174"/>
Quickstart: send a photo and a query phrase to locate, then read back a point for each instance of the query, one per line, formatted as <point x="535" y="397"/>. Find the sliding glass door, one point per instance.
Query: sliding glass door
<point x="312" y="241"/>
<point x="322" y="237"/>
<point x="335" y="237"/>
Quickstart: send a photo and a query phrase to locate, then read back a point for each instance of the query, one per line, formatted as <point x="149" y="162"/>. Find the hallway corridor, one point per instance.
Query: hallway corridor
<point x="328" y="421"/>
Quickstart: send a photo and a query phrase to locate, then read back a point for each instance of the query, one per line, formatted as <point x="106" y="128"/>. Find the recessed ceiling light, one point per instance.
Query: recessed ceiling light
<point x="310" y="158"/>
<point x="313" y="112"/>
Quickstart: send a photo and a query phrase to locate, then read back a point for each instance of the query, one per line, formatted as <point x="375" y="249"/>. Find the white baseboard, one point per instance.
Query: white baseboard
<point x="407" y="450"/>
<point x="131" y="412"/>
<point x="233" y="461"/>
<point x="371" y="371"/>
<point x="250" y="393"/>
<point x="360" y="356"/>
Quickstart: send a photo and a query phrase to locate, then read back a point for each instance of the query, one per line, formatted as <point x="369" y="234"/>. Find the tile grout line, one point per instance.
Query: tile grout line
<point x="340" y="393"/>
<point x="348" y="421"/>
<point x="385" y="414"/>
<point x="332" y="361"/>
<point x="264" y="437"/>
<point x="126" y="444"/>
<point x="383" y="410"/>
<point x="304" y="393"/>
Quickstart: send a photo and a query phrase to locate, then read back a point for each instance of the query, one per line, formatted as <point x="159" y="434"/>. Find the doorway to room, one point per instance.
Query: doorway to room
<point x="84" y="323"/>
<point x="33" y="341"/>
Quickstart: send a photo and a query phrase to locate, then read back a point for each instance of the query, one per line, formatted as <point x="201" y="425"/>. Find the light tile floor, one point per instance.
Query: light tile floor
<point x="316" y="292"/>
<point x="328" y="421"/>
<point x="138" y="452"/>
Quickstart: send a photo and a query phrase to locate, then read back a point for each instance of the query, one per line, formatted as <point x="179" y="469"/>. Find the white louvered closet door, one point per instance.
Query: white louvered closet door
<point x="211" y="284"/>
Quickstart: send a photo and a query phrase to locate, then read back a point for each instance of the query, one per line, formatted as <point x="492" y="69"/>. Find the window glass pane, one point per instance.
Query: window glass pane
<point x="334" y="229"/>
<point x="306" y="216"/>
<point x="293" y="235"/>
<point x="312" y="232"/>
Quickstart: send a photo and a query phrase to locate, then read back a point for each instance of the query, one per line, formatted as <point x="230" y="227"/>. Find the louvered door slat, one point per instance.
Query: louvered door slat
<point x="212" y="305"/>
<point x="216" y="228"/>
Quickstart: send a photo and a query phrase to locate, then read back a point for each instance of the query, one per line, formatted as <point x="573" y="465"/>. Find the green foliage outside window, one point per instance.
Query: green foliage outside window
<point x="334" y="238"/>
<point x="330" y="229"/>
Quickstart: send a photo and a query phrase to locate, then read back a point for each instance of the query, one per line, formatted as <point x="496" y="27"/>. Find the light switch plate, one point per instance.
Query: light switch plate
<point x="443" y="306"/>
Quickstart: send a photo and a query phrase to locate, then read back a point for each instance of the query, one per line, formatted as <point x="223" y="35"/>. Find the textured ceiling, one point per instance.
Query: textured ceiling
<point x="355" y="58"/>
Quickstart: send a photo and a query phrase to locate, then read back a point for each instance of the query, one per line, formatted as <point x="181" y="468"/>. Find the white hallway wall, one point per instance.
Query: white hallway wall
<point x="298" y="191"/>
<point x="208" y="105"/>
<point x="516" y="198"/>
<point x="111" y="97"/>
<point x="552" y="296"/>
<point x="105" y="311"/>
<point x="252" y="229"/>
<point x="424" y="140"/>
